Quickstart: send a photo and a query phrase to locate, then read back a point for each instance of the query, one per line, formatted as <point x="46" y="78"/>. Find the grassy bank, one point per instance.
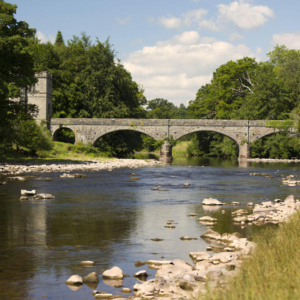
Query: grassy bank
<point x="60" y="152"/>
<point x="272" y="271"/>
<point x="179" y="149"/>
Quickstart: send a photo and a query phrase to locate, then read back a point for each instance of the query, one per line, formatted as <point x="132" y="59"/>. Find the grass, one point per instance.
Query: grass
<point x="272" y="271"/>
<point x="181" y="148"/>
<point x="61" y="152"/>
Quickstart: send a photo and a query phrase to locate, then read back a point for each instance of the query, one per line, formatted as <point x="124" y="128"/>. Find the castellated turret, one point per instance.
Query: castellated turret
<point x="40" y="94"/>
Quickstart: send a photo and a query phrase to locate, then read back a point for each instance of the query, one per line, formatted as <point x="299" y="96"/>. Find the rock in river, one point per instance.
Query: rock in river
<point x="43" y="196"/>
<point x="142" y="273"/>
<point x="206" y="219"/>
<point x="211" y="201"/>
<point x="87" y="263"/>
<point x="28" y="193"/>
<point x="75" y="279"/>
<point x="91" y="278"/>
<point x="113" y="273"/>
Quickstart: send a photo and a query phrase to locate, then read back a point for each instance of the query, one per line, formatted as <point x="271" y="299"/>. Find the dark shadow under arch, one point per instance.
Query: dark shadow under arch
<point x="65" y="135"/>
<point x="122" y="130"/>
<point x="207" y="136"/>
<point x="273" y="145"/>
<point x="122" y="143"/>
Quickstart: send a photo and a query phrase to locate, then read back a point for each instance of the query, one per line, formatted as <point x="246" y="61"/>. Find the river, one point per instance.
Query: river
<point x="110" y="219"/>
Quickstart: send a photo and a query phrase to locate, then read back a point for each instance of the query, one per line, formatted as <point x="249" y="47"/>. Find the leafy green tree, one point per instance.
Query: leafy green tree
<point x="268" y="100"/>
<point x="277" y="145"/>
<point x="16" y="67"/>
<point x="32" y="136"/>
<point x="181" y="112"/>
<point x="280" y="55"/>
<point x="120" y="143"/>
<point x="160" y="109"/>
<point x="230" y="84"/>
<point x="59" y="40"/>
<point x="89" y="82"/>
<point x="163" y="109"/>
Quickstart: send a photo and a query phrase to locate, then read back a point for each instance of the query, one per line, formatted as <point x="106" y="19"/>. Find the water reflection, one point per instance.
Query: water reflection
<point x="111" y="220"/>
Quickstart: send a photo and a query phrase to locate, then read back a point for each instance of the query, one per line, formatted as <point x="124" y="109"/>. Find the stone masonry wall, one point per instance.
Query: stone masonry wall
<point x="243" y="132"/>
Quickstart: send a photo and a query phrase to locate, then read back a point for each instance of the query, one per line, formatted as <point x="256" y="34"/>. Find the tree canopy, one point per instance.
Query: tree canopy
<point x="16" y="73"/>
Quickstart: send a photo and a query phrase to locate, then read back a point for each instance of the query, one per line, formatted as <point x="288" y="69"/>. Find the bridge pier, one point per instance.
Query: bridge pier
<point x="244" y="151"/>
<point x="166" y="153"/>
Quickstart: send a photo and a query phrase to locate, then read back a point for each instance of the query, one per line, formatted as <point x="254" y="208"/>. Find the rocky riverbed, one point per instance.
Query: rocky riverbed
<point x="179" y="279"/>
<point x="96" y="165"/>
<point x="218" y="260"/>
<point x="274" y="160"/>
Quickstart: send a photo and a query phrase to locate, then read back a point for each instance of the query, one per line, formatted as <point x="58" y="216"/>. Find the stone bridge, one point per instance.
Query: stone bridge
<point x="243" y="132"/>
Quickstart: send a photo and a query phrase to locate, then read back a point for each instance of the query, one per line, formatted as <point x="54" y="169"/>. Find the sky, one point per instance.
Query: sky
<point x="171" y="47"/>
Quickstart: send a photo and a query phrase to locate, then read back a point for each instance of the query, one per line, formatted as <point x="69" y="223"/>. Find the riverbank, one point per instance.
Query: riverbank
<point x="272" y="271"/>
<point x="69" y="166"/>
<point x="274" y="160"/>
<point x="265" y="268"/>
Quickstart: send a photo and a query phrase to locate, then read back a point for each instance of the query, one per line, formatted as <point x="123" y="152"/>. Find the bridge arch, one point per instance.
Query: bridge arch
<point x="122" y="130"/>
<point x="232" y="137"/>
<point x="221" y="132"/>
<point x="56" y="136"/>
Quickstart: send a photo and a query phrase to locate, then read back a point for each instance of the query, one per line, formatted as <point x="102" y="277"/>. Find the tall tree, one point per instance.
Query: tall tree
<point x="16" y="66"/>
<point x="160" y="109"/>
<point x="59" y="40"/>
<point x="229" y="86"/>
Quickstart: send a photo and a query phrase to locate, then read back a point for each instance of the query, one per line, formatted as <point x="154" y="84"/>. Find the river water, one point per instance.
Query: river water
<point x="110" y="219"/>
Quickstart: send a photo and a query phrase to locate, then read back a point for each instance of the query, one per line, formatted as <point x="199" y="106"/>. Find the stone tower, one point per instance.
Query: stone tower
<point x="40" y="94"/>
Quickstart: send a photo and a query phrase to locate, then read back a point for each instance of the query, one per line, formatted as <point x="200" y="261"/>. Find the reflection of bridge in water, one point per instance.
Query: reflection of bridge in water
<point x="243" y="132"/>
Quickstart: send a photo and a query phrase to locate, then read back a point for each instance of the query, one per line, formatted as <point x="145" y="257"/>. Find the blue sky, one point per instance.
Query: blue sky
<point x="171" y="47"/>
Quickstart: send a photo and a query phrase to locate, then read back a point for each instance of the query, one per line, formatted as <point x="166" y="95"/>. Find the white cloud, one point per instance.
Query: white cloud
<point x="235" y="36"/>
<point x="123" y="21"/>
<point x="170" y="22"/>
<point x="177" y="68"/>
<point x="291" y="40"/>
<point x="210" y="25"/>
<point x="245" y="15"/>
<point x="186" y="38"/>
<point x="194" y="16"/>
<point x="259" y="50"/>
<point x="44" y="39"/>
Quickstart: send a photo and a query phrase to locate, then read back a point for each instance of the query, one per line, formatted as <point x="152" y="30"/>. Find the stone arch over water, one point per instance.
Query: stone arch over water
<point x="58" y="137"/>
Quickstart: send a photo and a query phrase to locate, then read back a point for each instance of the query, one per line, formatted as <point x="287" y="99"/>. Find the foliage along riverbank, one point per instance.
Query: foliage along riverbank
<point x="264" y="269"/>
<point x="272" y="271"/>
<point x="242" y="89"/>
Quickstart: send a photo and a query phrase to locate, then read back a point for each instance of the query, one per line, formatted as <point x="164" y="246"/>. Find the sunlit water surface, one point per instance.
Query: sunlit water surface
<point x="110" y="219"/>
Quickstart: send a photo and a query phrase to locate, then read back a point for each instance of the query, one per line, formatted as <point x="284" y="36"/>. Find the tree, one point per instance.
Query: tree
<point x="229" y="86"/>
<point x="16" y="67"/>
<point x="32" y="136"/>
<point x="222" y="99"/>
<point x="160" y="109"/>
<point x="281" y="55"/>
<point x="59" y="40"/>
